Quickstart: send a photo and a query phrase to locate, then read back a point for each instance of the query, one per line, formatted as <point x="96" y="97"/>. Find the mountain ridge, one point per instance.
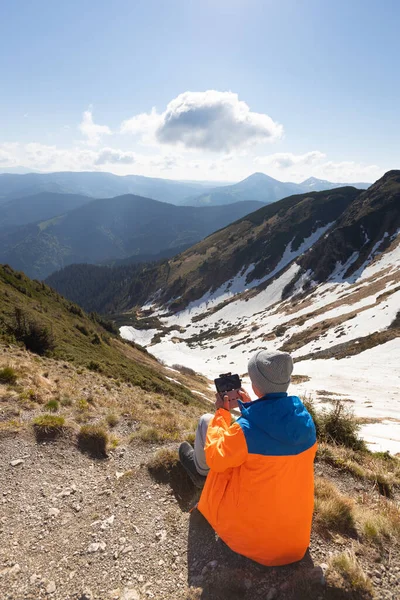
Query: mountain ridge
<point x="109" y="229"/>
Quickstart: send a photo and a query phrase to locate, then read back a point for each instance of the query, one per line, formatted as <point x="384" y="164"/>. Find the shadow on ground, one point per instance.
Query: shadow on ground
<point x="221" y="574"/>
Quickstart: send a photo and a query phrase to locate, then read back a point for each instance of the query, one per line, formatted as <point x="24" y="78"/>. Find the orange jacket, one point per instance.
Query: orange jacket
<point x="259" y="493"/>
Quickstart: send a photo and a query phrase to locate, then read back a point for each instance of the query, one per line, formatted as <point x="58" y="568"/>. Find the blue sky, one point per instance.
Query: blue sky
<point x="205" y="89"/>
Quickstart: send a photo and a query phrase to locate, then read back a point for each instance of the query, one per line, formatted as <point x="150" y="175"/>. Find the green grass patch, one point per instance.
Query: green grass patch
<point x="52" y="405"/>
<point x="8" y="375"/>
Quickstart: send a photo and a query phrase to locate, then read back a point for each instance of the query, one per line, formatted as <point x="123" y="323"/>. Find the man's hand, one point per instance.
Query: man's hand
<point x="244" y="396"/>
<point x="222" y="402"/>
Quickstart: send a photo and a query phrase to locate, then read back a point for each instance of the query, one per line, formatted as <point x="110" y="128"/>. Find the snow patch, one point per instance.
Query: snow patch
<point x="139" y="336"/>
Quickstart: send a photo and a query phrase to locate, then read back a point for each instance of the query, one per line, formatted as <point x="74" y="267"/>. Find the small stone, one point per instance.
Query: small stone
<point x="14" y="570"/>
<point x="271" y="594"/>
<point x="54" y="512"/>
<point x="86" y="595"/>
<point x="161" y="536"/>
<point x="33" y="578"/>
<point x="130" y="594"/>
<point x="213" y="564"/>
<point x="247" y="584"/>
<point x="107" y="522"/>
<point x="16" y="462"/>
<point x="51" y="587"/>
<point x="93" y="547"/>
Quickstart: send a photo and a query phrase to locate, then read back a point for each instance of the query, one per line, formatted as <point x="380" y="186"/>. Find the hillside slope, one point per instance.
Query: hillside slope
<point x="39" y="318"/>
<point x="110" y="229"/>
<point x="253" y="246"/>
<point x="39" y="207"/>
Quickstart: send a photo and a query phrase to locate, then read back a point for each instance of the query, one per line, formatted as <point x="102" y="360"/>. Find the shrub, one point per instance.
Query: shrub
<point x="93" y="440"/>
<point x="8" y="375"/>
<point x="184" y="370"/>
<point x="341" y="427"/>
<point x="48" y="427"/>
<point x="75" y="310"/>
<point x="94" y="366"/>
<point x="336" y="426"/>
<point x="82" y="328"/>
<point x="36" y="337"/>
<point x="96" y="339"/>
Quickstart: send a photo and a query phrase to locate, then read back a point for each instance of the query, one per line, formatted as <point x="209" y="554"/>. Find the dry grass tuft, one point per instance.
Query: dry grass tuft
<point x="163" y="462"/>
<point x="333" y="511"/>
<point x="161" y="426"/>
<point x="112" y="419"/>
<point x="48" y="427"/>
<point x="379" y="522"/>
<point x="93" y="440"/>
<point x="346" y="578"/>
<point x="381" y="469"/>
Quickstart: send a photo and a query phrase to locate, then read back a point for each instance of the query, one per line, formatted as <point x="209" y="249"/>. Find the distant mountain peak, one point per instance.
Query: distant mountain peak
<point x="258" y="177"/>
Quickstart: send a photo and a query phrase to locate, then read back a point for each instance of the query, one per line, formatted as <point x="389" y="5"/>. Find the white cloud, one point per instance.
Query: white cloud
<point x="91" y="130"/>
<point x="284" y="160"/>
<point x="110" y="156"/>
<point x="227" y="167"/>
<point x="212" y="121"/>
<point x="297" y="167"/>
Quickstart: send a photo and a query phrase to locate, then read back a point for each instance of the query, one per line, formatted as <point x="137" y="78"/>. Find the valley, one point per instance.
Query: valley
<point x="336" y="310"/>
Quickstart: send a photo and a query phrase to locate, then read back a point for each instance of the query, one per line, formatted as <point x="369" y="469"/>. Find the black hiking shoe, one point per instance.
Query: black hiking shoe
<point x="186" y="456"/>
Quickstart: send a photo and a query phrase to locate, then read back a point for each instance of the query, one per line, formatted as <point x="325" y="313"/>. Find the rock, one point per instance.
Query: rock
<point x="54" y="512"/>
<point x="213" y="564"/>
<point x="16" y="462"/>
<point x="130" y="594"/>
<point x="317" y="575"/>
<point x="107" y="522"/>
<point x="96" y="546"/>
<point x="247" y="583"/>
<point x="33" y="578"/>
<point x="271" y="594"/>
<point x="51" y="587"/>
<point x="14" y="570"/>
<point x="161" y="536"/>
<point x="86" y="595"/>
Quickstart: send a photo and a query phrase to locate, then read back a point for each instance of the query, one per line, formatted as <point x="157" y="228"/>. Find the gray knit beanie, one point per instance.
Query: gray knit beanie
<point x="270" y="371"/>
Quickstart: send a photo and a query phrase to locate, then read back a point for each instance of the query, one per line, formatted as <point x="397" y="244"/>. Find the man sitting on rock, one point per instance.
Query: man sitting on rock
<point x="258" y="472"/>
